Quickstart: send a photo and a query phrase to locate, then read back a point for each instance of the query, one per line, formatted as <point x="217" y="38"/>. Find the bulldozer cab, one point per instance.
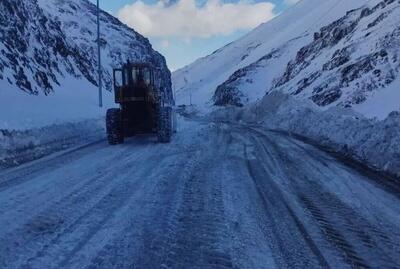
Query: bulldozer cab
<point x="134" y="82"/>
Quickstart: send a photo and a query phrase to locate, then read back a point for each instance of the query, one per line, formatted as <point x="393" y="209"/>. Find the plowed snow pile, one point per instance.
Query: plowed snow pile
<point x="20" y="146"/>
<point x="372" y="141"/>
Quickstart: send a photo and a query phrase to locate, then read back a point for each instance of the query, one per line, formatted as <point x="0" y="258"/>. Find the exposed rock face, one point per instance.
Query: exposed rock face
<point x="344" y="63"/>
<point x="361" y="58"/>
<point x="32" y="45"/>
<point x="45" y="42"/>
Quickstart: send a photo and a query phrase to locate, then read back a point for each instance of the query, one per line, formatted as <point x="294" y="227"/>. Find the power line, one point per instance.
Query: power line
<point x="326" y="13"/>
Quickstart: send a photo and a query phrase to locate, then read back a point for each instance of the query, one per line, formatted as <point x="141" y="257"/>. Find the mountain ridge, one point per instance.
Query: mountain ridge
<point x="251" y="71"/>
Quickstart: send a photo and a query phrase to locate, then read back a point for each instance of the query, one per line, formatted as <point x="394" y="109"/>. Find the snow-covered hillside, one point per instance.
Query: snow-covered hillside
<point x="48" y="61"/>
<point x="333" y="52"/>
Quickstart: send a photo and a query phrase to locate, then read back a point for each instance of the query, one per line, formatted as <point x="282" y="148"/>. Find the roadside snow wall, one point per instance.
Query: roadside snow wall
<point x="373" y="142"/>
<point x="17" y="147"/>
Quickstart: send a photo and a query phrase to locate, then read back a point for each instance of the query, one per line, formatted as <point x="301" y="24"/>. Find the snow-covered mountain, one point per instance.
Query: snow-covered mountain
<point x="333" y="52"/>
<point x="48" y="60"/>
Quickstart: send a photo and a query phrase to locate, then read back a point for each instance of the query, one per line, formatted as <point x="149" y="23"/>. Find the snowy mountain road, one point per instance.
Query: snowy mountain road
<point x="219" y="196"/>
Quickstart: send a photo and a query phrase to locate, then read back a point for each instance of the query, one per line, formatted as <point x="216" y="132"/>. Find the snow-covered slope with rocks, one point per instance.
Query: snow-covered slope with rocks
<point x="333" y="52"/>
<point x="48" y="61"/>
<point x="350" y="61"/>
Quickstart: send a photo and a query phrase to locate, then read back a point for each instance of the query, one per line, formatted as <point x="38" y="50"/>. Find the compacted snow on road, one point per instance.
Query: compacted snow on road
<point x="218" y="196"/>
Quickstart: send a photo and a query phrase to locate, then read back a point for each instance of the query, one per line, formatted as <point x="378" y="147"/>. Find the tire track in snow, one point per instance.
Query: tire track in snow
<point x="21" y="174"/>
<point x="71" y="209"/>
<point x="126" y="250"/>
<point x="54" y="188"/>
<point x="167" y="208"/>
<point x="290" y="240"/>
<point x="152" y="229"/>
<point x="381" y="240"/>
<point x="358" y="241"/>
<point x="193" y="235"/>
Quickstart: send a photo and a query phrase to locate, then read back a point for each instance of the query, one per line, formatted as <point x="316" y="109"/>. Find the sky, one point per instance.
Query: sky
<point x="185" y="30"/>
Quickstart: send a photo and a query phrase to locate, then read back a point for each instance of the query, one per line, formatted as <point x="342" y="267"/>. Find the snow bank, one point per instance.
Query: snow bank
<point x="17" y="146"/>
<point x="74" y="101"/>
<point x="372" y="141"/>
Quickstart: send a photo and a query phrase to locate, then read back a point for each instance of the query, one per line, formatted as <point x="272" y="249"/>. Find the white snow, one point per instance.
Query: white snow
<point x="369" y="132"/>
<point x="371" y="141"/>
<point x="74" y="101"/>
<point x="17" y="147"/>
<point x="382" y="103"/>
<point x="201" y="196"/>
<point x="200" y="79"/>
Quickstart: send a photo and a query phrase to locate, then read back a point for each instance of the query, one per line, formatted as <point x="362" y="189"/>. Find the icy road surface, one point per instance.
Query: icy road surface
<point x="219" y="196"/>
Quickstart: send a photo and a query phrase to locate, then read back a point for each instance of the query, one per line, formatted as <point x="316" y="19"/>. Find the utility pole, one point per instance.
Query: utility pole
<point x="99" y="56"/>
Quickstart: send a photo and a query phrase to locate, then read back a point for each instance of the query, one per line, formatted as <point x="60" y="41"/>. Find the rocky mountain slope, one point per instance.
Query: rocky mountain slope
<point x="336" y="53"/>
<point x="48" y="59"/>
